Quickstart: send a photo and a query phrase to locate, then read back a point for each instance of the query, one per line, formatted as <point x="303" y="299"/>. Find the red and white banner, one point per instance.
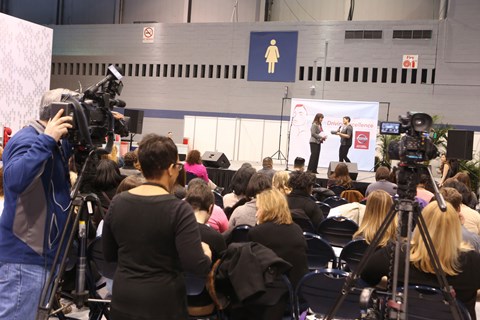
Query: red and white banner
<point x="364" y="118"/>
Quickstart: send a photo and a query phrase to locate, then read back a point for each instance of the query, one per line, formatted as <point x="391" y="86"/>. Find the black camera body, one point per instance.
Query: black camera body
<point x="93" y="120"/>
<point x="415" y="145"/>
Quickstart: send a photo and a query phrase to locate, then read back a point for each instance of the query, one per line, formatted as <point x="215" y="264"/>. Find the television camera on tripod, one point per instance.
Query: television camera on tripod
<point x="413" y="148"/>
<point x="94" y="124"/>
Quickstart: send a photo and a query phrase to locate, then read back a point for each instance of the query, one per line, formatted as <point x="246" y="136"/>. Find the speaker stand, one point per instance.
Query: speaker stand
<point x="131" y="141"/>
<point x="278" y="155"/>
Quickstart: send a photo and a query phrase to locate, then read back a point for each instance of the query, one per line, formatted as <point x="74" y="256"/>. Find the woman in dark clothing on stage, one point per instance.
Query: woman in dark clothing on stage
<point x="457" y="259"/>
<point x="317" y="136"/>
<point x="154" y="237"/>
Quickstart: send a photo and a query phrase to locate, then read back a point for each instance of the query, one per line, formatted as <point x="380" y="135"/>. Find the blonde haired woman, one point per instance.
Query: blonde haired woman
<point x="379" y="203"/>
<point x="277" y="231"/>
<point x="459" y="262"/>
<point x="280" y="182"/>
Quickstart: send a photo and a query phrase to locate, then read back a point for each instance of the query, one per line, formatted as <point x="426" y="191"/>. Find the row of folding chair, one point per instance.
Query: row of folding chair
<point x="319" y="290"/>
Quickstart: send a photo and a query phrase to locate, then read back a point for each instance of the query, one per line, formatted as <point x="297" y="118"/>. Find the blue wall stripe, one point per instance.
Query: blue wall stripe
<point x="180" y="114"/>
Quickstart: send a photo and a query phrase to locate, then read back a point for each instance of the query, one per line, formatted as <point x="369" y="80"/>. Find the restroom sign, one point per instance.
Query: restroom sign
<point x="148" y="34"/>
<point x="410" y="61"/>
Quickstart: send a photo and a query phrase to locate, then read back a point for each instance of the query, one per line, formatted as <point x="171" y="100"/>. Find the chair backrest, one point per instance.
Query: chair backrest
<point x="300" y="217"/>
<point x="422" y="298"/>
<point x="319" y="251"/>
<point x="352" y="195"/>
<point x="95" y="253"/>
<point x="338" y="231"/>
<point x="320" y="290"/>
<point x="352" y="253"/>
<point x="240" y="233"/>
<point x="218" y="199"/>
<point x="189" y="176"/>
<point x="337" y="189"/>
<point x="324" y="207"/>
<point x="335" y="201"/>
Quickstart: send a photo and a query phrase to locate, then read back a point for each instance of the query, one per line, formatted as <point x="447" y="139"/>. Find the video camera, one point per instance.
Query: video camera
<point x="415" y="145"/>
<point x="92" y="115"/>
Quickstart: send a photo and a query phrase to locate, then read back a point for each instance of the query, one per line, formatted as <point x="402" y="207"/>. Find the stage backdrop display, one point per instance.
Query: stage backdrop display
<point x="364" y="117"/>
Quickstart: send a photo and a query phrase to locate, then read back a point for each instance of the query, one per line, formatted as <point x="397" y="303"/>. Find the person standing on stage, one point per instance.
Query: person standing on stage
<point x="317" y="136"/>
<point x="345" y="132"/>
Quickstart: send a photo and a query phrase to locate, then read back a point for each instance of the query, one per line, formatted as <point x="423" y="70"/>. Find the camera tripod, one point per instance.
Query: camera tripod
<point x="82" y="208"/>
<point x="408" y="212"/>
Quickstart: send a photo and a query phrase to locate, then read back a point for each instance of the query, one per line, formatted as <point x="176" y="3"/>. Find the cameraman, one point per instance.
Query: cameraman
<point x="37" y="201"/>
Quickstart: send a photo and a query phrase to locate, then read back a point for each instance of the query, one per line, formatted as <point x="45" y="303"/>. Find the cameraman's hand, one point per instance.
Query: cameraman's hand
<point x="58" y="126"/>
<point x="117" y="115"/>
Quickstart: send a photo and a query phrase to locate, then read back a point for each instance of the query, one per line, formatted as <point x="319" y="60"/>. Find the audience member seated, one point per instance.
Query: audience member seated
<point x="455" y="198"/>
<point x="448" y="168"/>
<point x="381" y="182"/>
<point x="154" y="238"/>
<point x="246" y="214"/>
<point x="129" y="160"/>
<point x="340" y="177"/>
<point x="379" y="203"/>
<point x="280" y="182"/>
<point x="200" y="197"/>
<point x="300" y="197"/>
<point x="218" y="220"/>
<point x="465" y="179"/>
<point x="105" y="184"/>
<point x="277" y="231"/>
<point x="238" y="185"/>
<point x="472" y="218"/>
<point x="193" y="165"/>
<point x="458" y="261"/>
<point x="179" y="189"/>
<point x="299" y="164"/>
<point x="267" y="167"/>
<point x="354" y="211"/>
<point x="424" y="190"/>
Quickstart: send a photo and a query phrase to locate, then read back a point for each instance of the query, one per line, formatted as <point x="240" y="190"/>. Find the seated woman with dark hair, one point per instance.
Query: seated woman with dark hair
<point x="457" y="259"/>
<point x="154" y="238"/>
<point x="301" y="196"/>
<point x="236" y="190"/>
<point x="245" y="214"/>
<point x="340" y="177"/>
<point x="105" y="183"/>
<point x="465" y="179"/>
<point x="194" y="165"/>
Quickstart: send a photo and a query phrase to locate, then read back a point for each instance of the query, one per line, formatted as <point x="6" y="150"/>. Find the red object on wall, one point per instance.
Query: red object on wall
<point x="6" y="135"/>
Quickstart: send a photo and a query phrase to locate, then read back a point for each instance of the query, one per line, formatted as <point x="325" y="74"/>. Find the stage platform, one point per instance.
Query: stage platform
<point x="222" y="177"/>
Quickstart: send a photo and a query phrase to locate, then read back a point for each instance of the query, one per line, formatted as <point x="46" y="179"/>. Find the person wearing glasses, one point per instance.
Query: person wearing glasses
<point x="154" y="238"/>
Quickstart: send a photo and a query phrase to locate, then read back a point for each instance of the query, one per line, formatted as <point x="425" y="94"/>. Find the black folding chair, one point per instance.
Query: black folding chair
<point x="324" y="207"/>
<point x="335" y="201"/>
<point x="239" y="233"/>
<point x="337" y="189"/>
<point x="428" y="303"/>
<point x="338" y="231"/>
<point x="352" y="253"/>
<point x="319" y="252"/>
<point x="319" y="289"/>
<point x="218" y="199"/>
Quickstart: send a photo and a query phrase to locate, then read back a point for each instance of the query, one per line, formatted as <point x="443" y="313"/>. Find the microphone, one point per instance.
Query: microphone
<point x="117" y="103"/>
<point x="114" y="73"/>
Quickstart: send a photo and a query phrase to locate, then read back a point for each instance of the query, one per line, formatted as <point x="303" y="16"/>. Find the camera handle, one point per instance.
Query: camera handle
<point x="408" y="211"/>
<point x="82" y="208"/>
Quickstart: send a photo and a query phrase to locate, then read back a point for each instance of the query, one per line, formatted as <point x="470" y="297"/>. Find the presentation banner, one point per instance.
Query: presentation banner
<point x="364" y="118"/>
